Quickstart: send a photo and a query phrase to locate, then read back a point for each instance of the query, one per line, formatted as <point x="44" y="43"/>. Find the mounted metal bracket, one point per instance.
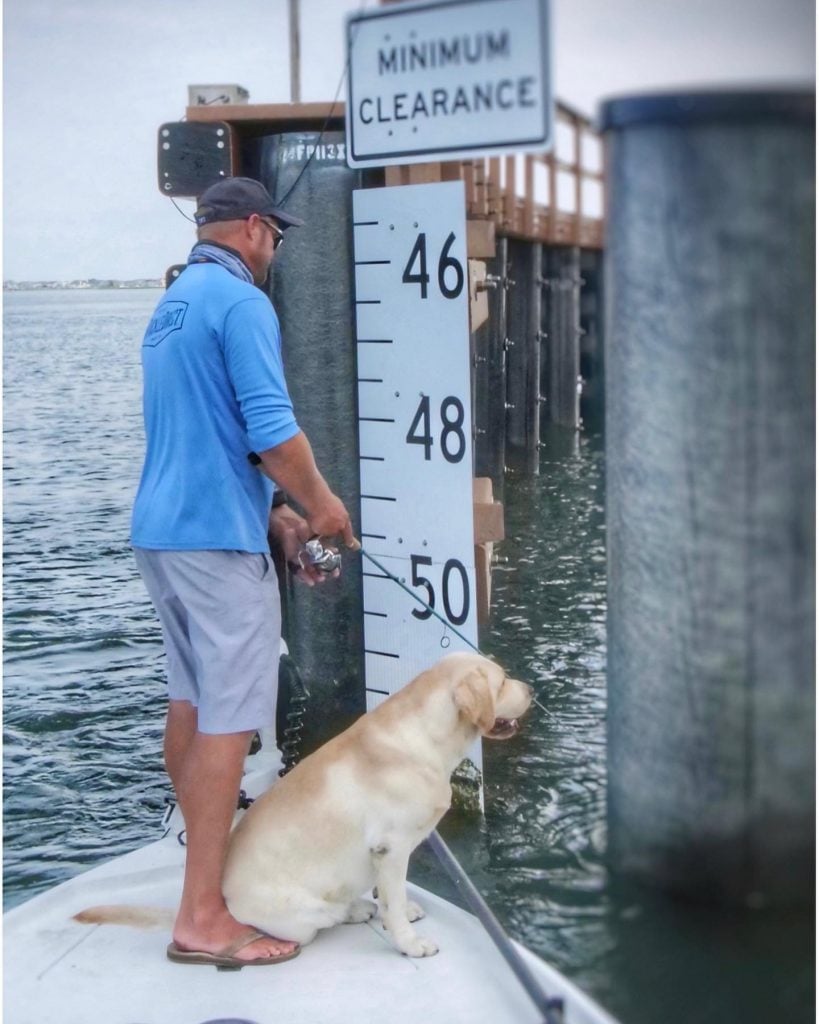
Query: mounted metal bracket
<point x="192" y="155"/>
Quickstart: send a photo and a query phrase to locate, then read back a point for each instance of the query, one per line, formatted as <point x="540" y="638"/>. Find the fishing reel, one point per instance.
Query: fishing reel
<point x="313" y="553"/>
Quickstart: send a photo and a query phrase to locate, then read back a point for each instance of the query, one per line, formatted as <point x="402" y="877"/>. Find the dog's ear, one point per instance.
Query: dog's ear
<point x="473" y="698"/>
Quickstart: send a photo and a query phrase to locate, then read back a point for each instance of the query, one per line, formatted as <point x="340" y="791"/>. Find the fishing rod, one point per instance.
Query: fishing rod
<point x="550" y="1006"/>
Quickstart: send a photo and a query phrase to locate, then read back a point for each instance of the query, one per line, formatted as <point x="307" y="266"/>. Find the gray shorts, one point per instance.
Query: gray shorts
<point x="221" y="625"/>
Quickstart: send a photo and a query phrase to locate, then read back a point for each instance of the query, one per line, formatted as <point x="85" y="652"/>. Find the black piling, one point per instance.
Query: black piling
<point x="710" y="492"/>
<point x="312" y="290"/>
<point x="592" y="348"/>
<point x="490" y="376"/>
<point x="523" y="357"/>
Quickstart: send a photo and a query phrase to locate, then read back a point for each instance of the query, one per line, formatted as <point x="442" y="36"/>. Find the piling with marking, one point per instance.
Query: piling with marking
<point x="710" y="484"/>
<point x="313" y="297"/>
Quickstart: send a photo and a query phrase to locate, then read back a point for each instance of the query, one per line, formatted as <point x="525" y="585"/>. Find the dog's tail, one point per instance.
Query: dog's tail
<point x="130" y="917"/>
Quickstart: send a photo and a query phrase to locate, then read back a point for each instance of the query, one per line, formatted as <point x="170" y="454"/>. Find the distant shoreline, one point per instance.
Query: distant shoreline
<point x="83" y="284"/>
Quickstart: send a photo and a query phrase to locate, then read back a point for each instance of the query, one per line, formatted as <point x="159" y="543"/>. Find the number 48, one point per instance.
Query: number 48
<point x="452" y="440"/>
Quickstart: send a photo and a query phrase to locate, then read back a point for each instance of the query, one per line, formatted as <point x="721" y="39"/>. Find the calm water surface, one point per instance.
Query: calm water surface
<point x="84" y="695"/>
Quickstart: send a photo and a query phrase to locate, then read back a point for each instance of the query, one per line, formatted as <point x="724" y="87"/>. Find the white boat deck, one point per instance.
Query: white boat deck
<point x="58" y="971"/>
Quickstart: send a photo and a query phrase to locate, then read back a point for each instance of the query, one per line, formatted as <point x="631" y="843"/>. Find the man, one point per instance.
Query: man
<point x="216" y="404"/>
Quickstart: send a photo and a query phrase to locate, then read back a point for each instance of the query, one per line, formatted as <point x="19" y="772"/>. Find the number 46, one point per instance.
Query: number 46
<point x="445" y="262"/>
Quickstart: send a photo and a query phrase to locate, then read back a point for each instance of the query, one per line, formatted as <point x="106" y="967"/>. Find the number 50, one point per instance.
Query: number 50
<point x="452" y="566"/>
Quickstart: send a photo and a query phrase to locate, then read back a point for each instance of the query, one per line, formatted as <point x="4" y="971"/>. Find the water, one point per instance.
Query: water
<point x="539" y="855"/>
<point x="84" y="694"/>
<point x="82" y="681"/>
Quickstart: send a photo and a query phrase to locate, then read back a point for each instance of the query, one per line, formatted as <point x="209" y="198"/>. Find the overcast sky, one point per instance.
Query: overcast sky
<point x="87" y="83"/>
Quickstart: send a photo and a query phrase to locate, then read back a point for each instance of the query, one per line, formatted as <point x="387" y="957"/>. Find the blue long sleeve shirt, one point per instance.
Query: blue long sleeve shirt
<point x="214" y="390"/>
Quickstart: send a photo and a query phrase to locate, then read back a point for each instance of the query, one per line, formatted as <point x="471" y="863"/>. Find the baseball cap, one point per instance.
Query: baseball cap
<point x="237" y="199"/>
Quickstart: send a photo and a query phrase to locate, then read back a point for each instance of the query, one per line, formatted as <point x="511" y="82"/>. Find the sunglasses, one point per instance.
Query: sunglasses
<point x="278" y="234"/>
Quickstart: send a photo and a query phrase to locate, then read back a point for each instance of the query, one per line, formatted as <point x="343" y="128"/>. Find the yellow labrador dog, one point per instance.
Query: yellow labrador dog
<point x="349" y="816"/>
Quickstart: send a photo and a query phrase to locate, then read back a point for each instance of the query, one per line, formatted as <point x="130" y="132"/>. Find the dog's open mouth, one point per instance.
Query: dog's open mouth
<point x="503" y="728"/>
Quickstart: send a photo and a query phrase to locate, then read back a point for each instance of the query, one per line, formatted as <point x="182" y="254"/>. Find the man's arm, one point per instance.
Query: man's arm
<point x="293" y="467"/>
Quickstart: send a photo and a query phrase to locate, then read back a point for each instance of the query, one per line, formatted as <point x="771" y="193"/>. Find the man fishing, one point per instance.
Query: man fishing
<point x="220" y="428"/>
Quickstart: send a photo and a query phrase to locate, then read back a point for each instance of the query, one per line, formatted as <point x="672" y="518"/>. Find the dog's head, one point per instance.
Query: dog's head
<point x="487" y="697"/>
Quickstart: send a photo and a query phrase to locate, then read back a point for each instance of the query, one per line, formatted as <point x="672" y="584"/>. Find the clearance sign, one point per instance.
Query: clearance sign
<point x="447" y="80"/>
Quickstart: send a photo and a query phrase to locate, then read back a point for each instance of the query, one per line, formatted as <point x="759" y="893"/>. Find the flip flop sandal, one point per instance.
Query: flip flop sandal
<point x="226" y="959"/>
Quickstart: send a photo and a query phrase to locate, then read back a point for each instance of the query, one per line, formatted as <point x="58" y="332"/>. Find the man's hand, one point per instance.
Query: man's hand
<point x="290" y="532"/>
<point x="292" y="466"/>
<point x="332" y="520"/>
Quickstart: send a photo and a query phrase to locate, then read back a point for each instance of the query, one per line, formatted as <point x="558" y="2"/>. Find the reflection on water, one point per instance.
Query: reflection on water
<point x="84" y="692"/>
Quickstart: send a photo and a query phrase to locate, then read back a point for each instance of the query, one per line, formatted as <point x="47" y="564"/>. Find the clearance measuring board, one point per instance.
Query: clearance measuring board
<point x="415" y="428"/>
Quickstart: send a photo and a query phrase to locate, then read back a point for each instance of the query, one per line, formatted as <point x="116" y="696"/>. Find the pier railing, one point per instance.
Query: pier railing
<point x="554" y="197"/>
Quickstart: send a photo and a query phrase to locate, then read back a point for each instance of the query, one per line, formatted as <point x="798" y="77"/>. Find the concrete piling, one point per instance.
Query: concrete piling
<point x="710" y="493"/>
<point x="560" y="334"/>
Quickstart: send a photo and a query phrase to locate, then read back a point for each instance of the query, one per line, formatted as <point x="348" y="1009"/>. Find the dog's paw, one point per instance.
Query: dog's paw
<point x="360" y="911"/>
<point x="419" y="947"/>
<point x="414" y="912"/>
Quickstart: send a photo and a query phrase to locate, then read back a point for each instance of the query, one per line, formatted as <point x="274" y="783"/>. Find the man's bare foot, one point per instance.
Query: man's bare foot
<point x="219" y="933"/>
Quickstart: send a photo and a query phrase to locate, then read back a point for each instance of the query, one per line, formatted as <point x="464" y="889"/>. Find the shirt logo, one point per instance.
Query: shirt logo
<point x="169" y="317"/>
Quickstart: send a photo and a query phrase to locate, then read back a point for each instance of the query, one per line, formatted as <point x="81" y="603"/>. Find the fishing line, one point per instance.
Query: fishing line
<point x="420" y="600"/>
<point x="179" y="208"/>
<point x="432" y="611"/>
